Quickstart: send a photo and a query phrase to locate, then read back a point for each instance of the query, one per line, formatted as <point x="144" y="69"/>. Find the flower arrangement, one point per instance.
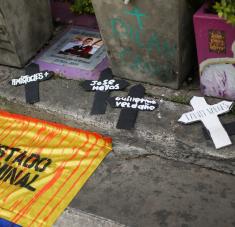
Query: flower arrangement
<point x="224" y="8"/>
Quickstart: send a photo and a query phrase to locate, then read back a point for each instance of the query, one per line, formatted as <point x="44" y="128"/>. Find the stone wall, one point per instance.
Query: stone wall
<point x="25" y="26"/>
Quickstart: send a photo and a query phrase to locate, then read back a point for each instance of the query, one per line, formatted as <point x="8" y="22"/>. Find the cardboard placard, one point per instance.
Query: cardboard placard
<point x="208" y="115"/>
<point x="102" y="87"/>
<point x="31" y="82"/>
<point x="131" y="105"/>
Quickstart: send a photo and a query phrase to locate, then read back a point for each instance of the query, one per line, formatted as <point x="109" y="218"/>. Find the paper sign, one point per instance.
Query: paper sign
<point x="23" y="80"/>
<point x="102" y="87"/>
<point x="133" y="103"/>
<point x="208" y="115"/>
<point x="130" y="105"/>
<point x="31" y="82"/>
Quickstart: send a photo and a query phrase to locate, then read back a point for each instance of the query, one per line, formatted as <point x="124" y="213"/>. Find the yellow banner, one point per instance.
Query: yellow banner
<point x="43" y="166"/>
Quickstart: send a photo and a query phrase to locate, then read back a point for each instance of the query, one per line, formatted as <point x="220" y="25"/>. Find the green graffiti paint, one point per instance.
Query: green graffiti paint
<point x="136" y="13"/>
<point x="142" y="42"/>
<point x="153" y="44"/>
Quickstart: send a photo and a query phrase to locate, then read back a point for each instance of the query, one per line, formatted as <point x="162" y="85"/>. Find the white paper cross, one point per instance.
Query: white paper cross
<point x="208" y="115"/>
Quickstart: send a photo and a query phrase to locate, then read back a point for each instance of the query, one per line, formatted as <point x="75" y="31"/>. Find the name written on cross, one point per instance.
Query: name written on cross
<point x="213" y="110"/>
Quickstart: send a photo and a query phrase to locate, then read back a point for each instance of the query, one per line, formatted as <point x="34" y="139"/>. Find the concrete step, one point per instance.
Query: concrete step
<point x="150" y="179"/>
<point x="156" y="133"/>
<point x="74" y="218"/>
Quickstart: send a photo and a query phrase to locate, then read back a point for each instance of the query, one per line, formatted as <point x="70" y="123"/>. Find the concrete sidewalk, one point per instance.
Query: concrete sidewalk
<point x="157" y="133"/>
<point x="74" y="217"/>
<point x="154" y="192"/>
<point x="160" y="174"/>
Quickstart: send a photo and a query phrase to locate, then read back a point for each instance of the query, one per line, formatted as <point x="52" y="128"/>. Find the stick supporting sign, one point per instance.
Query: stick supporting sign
<point x="208" y="115"/>
<point x="131" y="105"/>
<point x="102" y="87"/>
<point x="31" y="82"/>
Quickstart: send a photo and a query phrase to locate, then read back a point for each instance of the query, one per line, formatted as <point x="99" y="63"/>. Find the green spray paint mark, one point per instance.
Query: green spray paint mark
<point x="136" y="12"/>
<point x="135" y="36"/>
<point x="124" y="53"/>
<point x="153" y="43"/>
<point x="137" y="39"/>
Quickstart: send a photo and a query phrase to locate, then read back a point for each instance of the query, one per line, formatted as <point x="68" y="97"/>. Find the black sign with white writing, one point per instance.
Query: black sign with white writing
<point x="102" y="87"/>
<point x="133" y="103"/>
<point x="31" y="82"/>
<point x="130" y="105"/>
<point x="23" y="80"/>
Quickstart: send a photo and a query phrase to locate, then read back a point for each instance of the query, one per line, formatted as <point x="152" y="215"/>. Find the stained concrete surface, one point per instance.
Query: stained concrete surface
<point x="74" y="218"/>
<point x="153" y="192"/>
<point x="23" y="34"/>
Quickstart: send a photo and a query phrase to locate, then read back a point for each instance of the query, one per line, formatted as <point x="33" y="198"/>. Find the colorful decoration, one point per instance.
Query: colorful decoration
<point x="215" y="41"/>
<point x="43" y="166"/>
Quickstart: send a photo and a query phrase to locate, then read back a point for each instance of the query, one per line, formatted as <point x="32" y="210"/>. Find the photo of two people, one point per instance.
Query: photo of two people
<point x="82" y="46"/>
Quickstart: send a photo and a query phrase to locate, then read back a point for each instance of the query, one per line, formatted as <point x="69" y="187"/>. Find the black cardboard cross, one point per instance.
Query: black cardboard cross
<point x="131" y="105"/>
<point x="102" y="88"/>
<point x="31" y="82"/>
